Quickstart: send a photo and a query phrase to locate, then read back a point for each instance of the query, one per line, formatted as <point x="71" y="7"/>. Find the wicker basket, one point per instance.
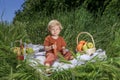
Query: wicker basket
<point x="19" y="53"/>
<point x="91" y="50"/>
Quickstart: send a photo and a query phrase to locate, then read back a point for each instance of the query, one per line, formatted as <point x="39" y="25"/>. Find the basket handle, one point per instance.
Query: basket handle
<point x="87" y="34"/>
<point x="17" y="41"/>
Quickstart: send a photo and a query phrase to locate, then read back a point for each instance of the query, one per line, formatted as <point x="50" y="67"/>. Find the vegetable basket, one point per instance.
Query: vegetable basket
<point x="88" y="51"/>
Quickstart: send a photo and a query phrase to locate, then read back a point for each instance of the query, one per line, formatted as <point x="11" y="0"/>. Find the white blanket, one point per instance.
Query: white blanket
<point x="79" y="60"/>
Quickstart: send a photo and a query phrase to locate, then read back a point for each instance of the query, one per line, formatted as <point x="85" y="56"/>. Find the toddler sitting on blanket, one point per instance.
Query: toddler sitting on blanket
<point x="54" y="43"/>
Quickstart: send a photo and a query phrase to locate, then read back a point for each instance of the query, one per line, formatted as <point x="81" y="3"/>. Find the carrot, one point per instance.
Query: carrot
<point x="55" y="50"/>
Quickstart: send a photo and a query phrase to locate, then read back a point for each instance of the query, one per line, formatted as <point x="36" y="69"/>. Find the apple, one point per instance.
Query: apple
<point x="78" y="54"/>
<point x="20" y="57"/>
<point x="85" y="47"/>
<point x="29" y="50"/>
<point x="90" y="45"/>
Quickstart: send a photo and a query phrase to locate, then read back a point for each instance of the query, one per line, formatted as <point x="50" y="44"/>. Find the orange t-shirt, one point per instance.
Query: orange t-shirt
<point x="60" y="42"/>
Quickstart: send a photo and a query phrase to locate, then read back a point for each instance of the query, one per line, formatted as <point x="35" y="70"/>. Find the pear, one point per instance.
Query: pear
<point x="23" y="51"/>
<point x="85" y="47"/>
<point x="90" y="45"/>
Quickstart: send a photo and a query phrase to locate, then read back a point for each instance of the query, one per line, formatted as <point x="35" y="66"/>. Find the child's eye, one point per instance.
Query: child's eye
<point x="52" y="29"/>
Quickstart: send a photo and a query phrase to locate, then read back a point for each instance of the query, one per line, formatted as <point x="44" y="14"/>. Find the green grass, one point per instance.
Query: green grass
<point x="104" y="29"/>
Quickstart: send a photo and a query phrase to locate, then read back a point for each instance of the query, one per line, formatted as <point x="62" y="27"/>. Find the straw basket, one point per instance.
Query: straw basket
<point x="91" y="50"/>
<point x="20" y="55"/>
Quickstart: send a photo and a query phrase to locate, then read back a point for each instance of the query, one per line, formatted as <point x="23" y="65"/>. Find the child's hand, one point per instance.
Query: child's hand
<point x="64" y="51"/>
<point x="54" y="46"/>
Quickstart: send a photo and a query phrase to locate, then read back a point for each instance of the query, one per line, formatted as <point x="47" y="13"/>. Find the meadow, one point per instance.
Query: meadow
<point x="105" y="30"/>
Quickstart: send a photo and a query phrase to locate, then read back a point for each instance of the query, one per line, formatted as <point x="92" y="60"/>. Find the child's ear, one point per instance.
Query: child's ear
<point x="48" y="30"/>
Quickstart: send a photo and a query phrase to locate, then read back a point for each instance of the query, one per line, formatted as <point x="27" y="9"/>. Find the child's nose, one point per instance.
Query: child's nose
<point x="55" y="30"/>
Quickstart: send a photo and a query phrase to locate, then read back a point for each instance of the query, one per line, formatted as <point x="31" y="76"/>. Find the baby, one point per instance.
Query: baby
<point x="55" y="44"/>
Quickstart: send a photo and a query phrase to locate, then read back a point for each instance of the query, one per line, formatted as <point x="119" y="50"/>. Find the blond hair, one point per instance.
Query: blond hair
<point x="54" y="23"/>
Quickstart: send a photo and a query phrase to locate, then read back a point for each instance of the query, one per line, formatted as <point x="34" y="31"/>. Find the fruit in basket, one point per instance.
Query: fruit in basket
<point x="20" y="57"/>
<point x="16" y="49"/>
<point x="85" y="47"/>
<point x="82" y="42"/>
<point x="23" y="50"/>
<point x="90" y="45"/>
<point x="80" y="45"/>
<point x="29" y="50"/>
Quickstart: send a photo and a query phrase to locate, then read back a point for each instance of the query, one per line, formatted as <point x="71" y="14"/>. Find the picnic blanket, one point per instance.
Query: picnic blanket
<point x="39" y="55"/>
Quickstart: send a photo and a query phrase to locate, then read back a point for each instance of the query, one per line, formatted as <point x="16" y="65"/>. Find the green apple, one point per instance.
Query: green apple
<point x="23" y="51"/>
<point x="78" y="54"/>
<point x="29" y="50"/>
<point x="85" y="47"/>
<point x="90" y="45"/>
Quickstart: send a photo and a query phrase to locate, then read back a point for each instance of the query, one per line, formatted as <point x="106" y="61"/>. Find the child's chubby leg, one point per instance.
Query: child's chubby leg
<point x="71" y="57"/>
<point x="50" y="58"/>
<point x="68" y="56"/>
<point x="48" y="71"/>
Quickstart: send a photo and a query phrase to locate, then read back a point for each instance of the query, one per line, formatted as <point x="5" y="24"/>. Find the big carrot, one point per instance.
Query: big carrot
<point x="55" y="50"/>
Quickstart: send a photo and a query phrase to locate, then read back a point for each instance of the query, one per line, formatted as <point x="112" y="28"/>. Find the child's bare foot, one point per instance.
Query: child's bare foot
<point x="48" y="71"/>
<point x="47" y="64"/>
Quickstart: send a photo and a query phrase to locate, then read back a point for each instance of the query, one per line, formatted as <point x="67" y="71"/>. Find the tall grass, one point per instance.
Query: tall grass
<point x="104" y="29"/>
<point x="91" y="71"/>
<point x="9" y="34"/>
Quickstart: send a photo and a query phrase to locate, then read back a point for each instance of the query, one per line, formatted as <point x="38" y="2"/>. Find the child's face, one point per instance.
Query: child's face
<point x="55" y="30"/>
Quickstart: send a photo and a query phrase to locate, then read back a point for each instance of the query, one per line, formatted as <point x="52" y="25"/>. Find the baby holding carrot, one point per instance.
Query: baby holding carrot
<point x="54" y="43"/>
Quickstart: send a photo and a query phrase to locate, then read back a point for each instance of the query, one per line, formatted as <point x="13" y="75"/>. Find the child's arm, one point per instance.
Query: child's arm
<point x="47" y="48"/>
